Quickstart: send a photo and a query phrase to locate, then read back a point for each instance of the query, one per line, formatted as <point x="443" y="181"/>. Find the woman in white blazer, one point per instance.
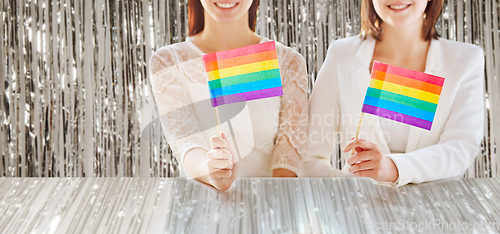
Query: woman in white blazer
<point x="403" y="35"/>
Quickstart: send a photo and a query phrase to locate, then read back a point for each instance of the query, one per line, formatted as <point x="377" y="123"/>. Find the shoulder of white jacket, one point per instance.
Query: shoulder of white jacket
<point x="460" y="49"/>
<point x="349" y="45"/>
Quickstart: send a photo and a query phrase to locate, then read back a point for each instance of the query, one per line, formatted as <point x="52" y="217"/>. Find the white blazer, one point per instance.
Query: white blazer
<point x="445" y="151"/>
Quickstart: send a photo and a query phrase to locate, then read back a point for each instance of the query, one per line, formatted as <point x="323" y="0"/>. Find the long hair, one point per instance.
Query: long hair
<point x="371" y="22"/>
<point x="196" y="16"/>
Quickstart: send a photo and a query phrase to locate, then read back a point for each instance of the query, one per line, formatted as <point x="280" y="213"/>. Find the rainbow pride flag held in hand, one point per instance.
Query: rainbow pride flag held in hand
<point x="403" y="95"/>
<point x="243" y="74"/>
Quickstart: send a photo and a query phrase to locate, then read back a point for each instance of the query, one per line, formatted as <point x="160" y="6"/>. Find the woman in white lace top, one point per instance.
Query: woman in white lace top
<point x="265" y="138"/>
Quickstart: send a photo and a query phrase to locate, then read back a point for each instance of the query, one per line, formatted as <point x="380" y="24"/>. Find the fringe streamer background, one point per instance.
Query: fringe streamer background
<point x="73" y="76"/>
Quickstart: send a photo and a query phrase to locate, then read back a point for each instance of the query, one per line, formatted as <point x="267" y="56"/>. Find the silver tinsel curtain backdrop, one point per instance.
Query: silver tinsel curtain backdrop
<point x="73" y="76"/>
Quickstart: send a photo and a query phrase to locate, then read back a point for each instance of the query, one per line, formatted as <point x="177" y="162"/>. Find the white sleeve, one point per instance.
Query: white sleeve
<point x="289" y="144"/>
<point x="178" y="119"/>
<point x="324" y="101"/>
<point x="460" y="140"/>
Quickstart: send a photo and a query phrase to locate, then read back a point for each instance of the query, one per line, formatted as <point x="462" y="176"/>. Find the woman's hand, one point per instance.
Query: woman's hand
<point x="282" y="172"/>
<point x="222" y="165"/>
<point x="368" y="161"/>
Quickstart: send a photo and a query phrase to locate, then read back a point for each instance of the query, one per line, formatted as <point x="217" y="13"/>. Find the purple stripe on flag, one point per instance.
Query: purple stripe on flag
<point x="397" y="117"/>
<point x="247" y="96"/>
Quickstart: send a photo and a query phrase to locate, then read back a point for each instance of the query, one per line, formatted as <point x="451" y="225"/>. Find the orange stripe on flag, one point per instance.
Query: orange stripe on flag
<point x="408" y="82"/>
<point x="237" y="61"/>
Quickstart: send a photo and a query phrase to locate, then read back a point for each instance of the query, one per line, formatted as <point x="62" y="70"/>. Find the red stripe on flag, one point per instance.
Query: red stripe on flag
<point x="408" y="73"/>
<point x="227" y="54"/>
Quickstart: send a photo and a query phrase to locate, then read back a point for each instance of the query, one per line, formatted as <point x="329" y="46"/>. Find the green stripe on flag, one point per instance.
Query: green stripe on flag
<point x="245" y="78"/>
<point x="409" y="101"/>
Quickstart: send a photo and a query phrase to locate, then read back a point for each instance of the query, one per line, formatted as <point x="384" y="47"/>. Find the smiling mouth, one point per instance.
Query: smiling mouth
<point x="226" y="5"/>
<point x="399" y="6"/>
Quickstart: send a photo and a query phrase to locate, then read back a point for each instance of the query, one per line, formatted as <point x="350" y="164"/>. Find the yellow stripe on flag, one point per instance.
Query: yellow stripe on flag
<point x="404" y="90"/>
<point x="243" y="69"/>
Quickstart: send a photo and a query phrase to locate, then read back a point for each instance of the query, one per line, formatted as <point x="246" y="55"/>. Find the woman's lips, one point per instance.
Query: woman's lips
<point x="226" y="5"/>
<point x="398" y="6"/>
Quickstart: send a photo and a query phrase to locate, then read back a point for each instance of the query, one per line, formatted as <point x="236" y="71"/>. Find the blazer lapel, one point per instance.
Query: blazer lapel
<point x="359" y="85"/>
<point x="432" y="66"/>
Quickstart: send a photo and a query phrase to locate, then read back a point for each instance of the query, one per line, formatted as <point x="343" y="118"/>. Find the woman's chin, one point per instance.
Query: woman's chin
<point x="402" y="23"/>
<point x="227" y="17"/>
<point x="225" y="20"/>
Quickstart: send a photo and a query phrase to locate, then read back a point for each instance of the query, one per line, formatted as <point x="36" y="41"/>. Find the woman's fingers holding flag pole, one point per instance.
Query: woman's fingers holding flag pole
<point x="368" y="161"/>
<point x="222" y="163"/>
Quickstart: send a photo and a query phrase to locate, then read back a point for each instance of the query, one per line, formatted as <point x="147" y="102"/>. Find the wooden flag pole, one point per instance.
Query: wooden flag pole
<point x="357" y="131"/>
<point x="216" y="114"/>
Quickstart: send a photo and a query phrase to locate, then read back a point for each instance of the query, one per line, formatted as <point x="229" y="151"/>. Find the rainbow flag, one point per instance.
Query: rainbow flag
<point x="243" y="74"/>
<point x="403" y="95"/>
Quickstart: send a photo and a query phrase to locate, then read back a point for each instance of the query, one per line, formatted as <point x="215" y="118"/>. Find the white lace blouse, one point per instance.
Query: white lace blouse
<point x="268" y="133"/>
